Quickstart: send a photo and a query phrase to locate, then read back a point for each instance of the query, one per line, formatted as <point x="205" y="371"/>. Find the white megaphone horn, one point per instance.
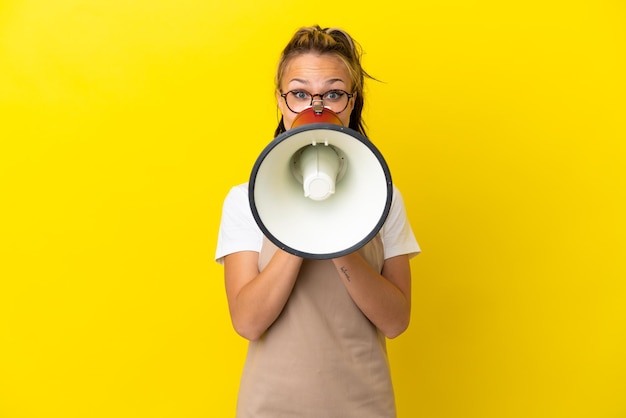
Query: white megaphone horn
<point x="320" y="190"/>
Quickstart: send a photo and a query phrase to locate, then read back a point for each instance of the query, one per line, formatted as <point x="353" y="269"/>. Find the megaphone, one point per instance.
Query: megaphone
<point x="320" y="190"/>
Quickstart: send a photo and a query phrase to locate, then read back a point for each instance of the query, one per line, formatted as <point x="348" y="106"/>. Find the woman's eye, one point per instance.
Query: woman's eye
<point x="300" y="95"/>
<point x="333" y="95"/>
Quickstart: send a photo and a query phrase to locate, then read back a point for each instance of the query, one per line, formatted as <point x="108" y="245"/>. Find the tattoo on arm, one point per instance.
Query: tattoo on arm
<point x="345" y="273"/>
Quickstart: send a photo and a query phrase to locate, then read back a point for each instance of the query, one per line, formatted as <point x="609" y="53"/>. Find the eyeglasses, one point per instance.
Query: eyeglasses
<point x="335" y="100"/>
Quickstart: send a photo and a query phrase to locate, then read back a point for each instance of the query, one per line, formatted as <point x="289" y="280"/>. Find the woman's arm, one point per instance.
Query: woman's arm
<point x="384" y="298"/>
<point x="256" y="299"/>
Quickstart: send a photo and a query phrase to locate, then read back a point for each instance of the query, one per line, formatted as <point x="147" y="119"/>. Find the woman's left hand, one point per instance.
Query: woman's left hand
<point x="384" y="298"/>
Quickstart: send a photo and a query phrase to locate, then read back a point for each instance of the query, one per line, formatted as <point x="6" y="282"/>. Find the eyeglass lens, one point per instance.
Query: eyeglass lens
<point x="335" y="100"/>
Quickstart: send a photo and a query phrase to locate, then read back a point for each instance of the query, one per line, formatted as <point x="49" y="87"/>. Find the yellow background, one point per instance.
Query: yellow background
<point x="124" y="123"/>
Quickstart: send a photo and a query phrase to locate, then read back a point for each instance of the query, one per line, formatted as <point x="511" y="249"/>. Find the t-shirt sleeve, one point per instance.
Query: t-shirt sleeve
<point x="398" y="237"/>
<point x="238" y="229"/>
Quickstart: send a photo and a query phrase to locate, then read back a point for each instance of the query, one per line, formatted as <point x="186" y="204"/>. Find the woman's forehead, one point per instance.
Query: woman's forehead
<point x="311" y="68"/>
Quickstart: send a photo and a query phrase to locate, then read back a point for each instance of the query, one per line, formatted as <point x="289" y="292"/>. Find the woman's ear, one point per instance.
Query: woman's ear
<point x="280" y="102"/>
<point x="353" y="101"/>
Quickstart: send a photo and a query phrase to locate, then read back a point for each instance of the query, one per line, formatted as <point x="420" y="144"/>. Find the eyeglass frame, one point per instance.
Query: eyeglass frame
<point x="321" y="97"/>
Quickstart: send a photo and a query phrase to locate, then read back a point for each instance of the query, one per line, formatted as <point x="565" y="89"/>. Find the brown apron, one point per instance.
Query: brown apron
<point x="322" y="358"/>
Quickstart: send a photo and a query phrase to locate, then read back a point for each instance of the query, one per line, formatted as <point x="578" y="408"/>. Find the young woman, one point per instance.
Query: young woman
<point x="317" y="328"/>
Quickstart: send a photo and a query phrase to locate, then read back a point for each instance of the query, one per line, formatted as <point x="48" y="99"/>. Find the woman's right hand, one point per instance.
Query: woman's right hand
<point x="255" y="299"/>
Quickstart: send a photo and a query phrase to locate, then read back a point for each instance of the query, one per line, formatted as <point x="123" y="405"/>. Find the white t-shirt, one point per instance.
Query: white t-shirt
<point x="239" y="231"/>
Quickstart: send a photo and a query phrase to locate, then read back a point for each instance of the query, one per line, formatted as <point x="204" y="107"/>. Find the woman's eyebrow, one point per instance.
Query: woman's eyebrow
<point x="327" y="82"/>
<point x="298" y="80"/>
<point x="335" y="80"/>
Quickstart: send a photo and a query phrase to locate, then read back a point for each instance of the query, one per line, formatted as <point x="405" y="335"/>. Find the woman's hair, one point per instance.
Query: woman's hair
<point x="335" y="42"/>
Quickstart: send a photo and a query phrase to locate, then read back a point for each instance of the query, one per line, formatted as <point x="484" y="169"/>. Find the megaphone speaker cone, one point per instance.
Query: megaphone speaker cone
<point x="350" y="191"/>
